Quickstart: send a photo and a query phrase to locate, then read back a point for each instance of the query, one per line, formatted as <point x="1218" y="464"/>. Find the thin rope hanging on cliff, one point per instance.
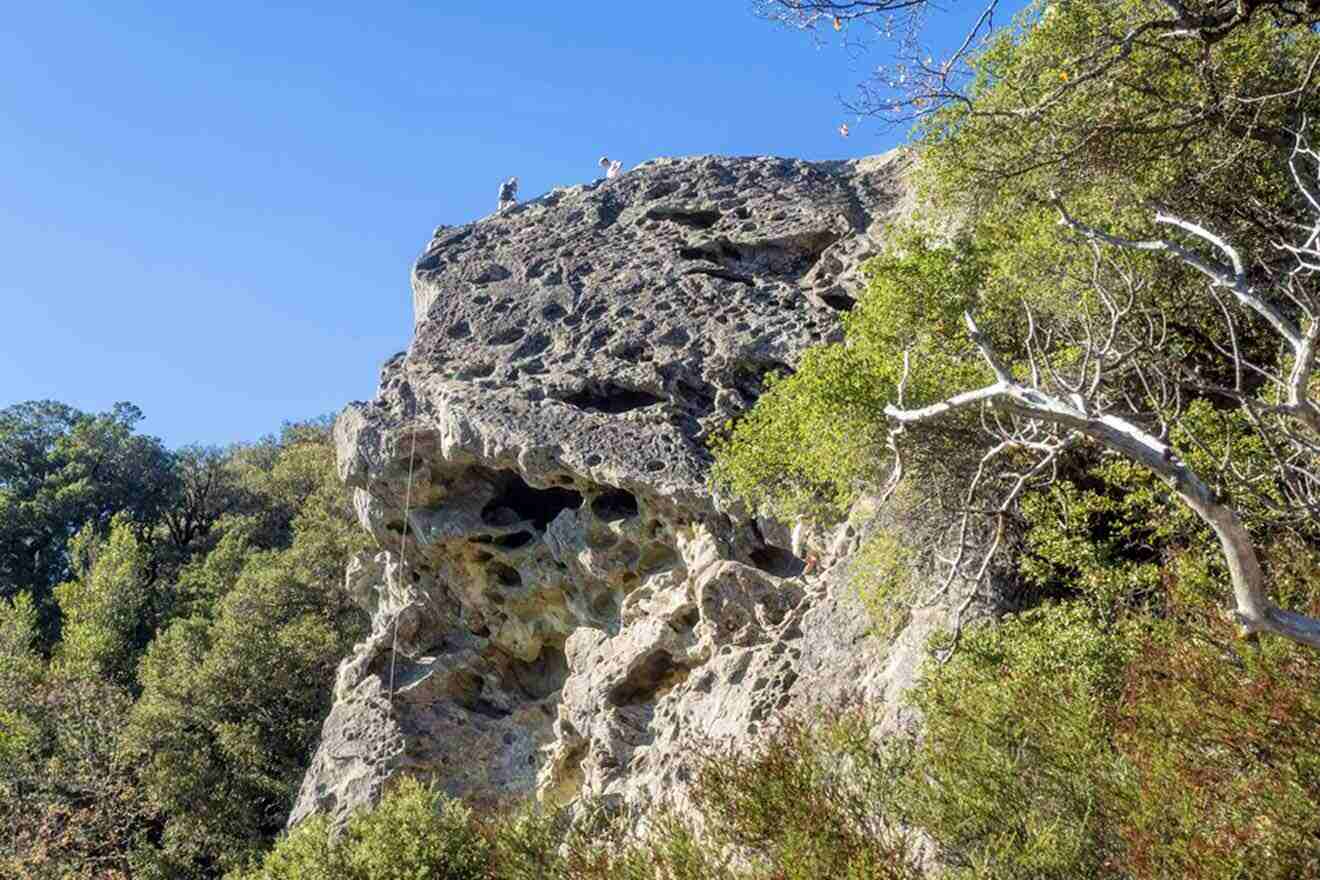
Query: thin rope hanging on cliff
<point x="403" y="560"/>
<point x="508" y="195"/>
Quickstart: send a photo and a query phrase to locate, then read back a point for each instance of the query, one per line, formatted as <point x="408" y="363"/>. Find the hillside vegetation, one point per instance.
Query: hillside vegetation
<point x="168" y="640"/>
<point x="1082" y="372"/>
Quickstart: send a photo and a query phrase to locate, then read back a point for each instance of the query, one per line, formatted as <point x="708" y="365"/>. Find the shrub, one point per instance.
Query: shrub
<point x="1221" y="741"/>
<point x="812" y="800"/>
<point x="415" y="833"/>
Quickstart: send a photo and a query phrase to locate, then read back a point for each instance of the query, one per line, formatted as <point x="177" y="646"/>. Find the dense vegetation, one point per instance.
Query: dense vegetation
<point x="170" y="620"/>
<point x="1115" y="724"/>
<point x="169" y="631"/>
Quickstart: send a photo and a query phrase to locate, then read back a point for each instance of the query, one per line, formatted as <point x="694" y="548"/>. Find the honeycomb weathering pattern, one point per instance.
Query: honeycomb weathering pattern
<point x="575" y="609"/>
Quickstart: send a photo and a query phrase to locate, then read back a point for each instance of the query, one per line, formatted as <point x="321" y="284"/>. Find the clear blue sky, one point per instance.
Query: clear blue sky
<point x="211" y="209"/>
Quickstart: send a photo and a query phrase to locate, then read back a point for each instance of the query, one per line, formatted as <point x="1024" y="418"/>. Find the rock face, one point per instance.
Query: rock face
<point x="561" y="606"/>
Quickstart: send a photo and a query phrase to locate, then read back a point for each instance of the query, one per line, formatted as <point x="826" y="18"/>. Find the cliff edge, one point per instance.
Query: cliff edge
<point x="565" y="608"/>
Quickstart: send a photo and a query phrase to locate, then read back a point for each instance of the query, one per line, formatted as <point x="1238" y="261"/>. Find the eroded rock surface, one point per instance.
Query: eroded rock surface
<point x="565" y="608"/>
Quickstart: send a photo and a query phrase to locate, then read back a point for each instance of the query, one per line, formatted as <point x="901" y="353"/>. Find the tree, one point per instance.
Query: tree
<point x="206" y="488"/>
<point x="1096" y="342"/>
<point x="62" y="470"/>
<point x="1083" y="366"/>
<point x="918" y="81"/>
<point x="109" y="609"/>
<point x="235" y="689"/>
<point x="69" y="807"/>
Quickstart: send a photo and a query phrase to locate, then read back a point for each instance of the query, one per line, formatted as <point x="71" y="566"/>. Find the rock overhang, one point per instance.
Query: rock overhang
<point x="565" y="568"/>
<point x="642" y="311"/>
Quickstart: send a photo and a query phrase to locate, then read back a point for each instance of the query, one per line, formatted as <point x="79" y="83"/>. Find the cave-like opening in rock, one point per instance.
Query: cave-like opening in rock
<point x="506" y="575"/>
<point x="615" y="505"/>
<point x="840" y="302"/>
<point x="693" y="218"/>
<point x="543" y="676"/>
<point x="777" y="561"/>
<point x="519" y="502"/>
<point x="654" y="673"/>
<point x="612" y="399"/>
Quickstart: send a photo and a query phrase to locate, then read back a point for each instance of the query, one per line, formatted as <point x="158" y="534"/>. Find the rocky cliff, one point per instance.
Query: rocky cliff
<point x="562" y="607"/>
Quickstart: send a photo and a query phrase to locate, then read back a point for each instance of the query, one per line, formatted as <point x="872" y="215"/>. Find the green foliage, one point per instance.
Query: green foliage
<point x="61" y="471"/>
<point x="811" y="801"/>
<point x="1058" y="745"/>
<point x="204" y="580"/>
<point x="107" y="610"/>
<point x="225" y="615"/>
<point x="1221" y="745"/>
<point x="816" y="440"/>
<point x="1117" y="729"/>
<point x="414" y="834"/>
<point x="1015" y="776"/>
<point x="1055" y="745"/>
<point x="1166" y="123"/>
<point x="882" y="575"/>
<point x="802" y="807"/>
<point x="1197" y="127"/>
<point x="68" y="804"/>
<point x="233" y="696"/>
<point x="21" y="670"/>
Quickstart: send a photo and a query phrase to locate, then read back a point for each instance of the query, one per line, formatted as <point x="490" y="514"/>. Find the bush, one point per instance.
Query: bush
<point x="415" y="833"/>
<point x="812" y="800"/>
<point x="1016" y="775"/>
<point x="1221" y="742"/>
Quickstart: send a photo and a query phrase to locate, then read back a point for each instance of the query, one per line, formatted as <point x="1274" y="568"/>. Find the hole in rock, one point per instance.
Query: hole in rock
<point x="505" y="574"/>
<point x="615" y="505"/>
<point x="657" y="557"/>
<point x="603" y="541"/>
<point x="507" y="336"/>
<point x="531" y="346"/>
<point x="476" y="371"/>
<point x="696" y="394"/>
<point x="469" y="696"/>
<point x="607" y="212"/>
<point x="612" y="399"/>
<point x="489" y="273"/>
<point x="690" y="620"/>
<point x="660" y="189"/>
<point x="840" y="302"/>
<point x="722" y="274"/>
<point x="675" y="337"/>
<point x="604" y="606"/>
<point x="543" y="676"/>
<point x="691" y="218"/>
<point x="653" y="673"/>
<point x="777" y="561"/>
<point x="519" y="502"/>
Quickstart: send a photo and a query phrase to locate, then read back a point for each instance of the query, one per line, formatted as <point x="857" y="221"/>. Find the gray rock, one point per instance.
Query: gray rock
<point x="564" y="607"/>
